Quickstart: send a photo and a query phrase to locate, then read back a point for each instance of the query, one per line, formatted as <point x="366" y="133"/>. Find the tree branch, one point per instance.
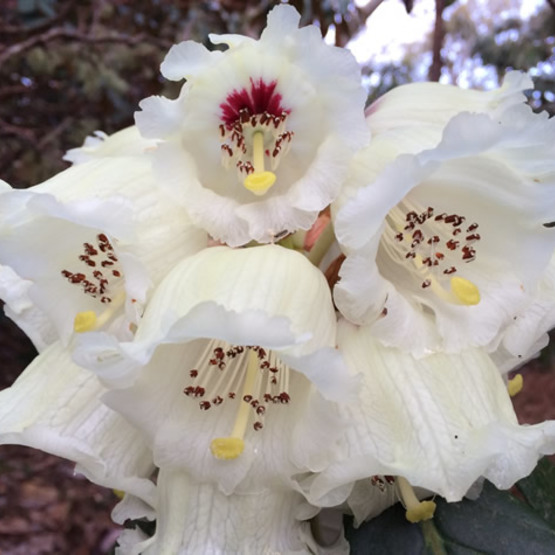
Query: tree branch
<point x="439" y="34"/>
<point x="69" y="34"/>
<point x="366" y="11"/>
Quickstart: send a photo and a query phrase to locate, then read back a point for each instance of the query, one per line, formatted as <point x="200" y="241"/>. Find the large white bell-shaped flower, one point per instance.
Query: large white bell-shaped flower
<point x="260" y="137"/>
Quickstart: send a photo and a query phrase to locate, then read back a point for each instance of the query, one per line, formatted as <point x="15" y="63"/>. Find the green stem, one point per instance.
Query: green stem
<point x="432" y="539"/>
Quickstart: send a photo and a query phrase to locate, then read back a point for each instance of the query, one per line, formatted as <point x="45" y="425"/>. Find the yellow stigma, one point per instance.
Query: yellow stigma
<point x="465" y="291"/>
<point x="515" y="385"/>
<point x="231" y="447"/>
<point x="416" y="511"/>
<point x="84" y="321"/>
<point x="423" y="511"/>
<point x="227" y="448"/>
<point x="260" y="180"/>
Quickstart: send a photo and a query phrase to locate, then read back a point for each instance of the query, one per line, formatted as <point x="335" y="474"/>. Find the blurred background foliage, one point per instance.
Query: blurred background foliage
<point x="68" y="67"/>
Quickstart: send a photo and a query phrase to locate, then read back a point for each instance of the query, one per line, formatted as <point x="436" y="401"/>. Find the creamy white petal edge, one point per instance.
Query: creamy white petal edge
<point x="497" y="174"/>
<point x="127" y="142"/>
<point x="317" y="89"/>
<point x="198" y="519"/>
<point x="44" y="229"/>
<point x="55" y="406"/>
<point x="527" y="334"/>
<point x="19" y="308"/>
<point x="441" y="422"/>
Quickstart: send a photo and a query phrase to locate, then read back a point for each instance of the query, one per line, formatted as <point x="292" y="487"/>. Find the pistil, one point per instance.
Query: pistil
<point x="515" y="385"/>
<point x="89" y="320"/>
<point x="416" y="511"/>
<point x="260" y="180"/>
<point x="231" y="447"/>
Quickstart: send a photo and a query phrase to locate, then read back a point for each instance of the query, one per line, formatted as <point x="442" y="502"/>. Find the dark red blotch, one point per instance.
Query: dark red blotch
<point x="262" y="97"/>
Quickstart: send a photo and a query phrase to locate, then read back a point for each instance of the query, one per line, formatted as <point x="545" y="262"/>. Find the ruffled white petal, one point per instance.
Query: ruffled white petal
<point x="526" y="334"/>
<point x="127" y="142"/>
<point x="281" y="23"/>
<point x="187" y="59"/>
<point x="163" y="120"/>
<point x="19" y="307"/>
<point x="441" y="422"/>
<point x="434" y="103"/>
<point x="55" y="406"/>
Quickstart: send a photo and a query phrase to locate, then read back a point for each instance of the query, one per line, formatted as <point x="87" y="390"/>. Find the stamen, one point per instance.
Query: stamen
<point x="260" y="180"/>
<point x="231" y="447"/>
<point x="514" y="386"/>
<point x="465" y="291"/>
<point x="416" y="511"/>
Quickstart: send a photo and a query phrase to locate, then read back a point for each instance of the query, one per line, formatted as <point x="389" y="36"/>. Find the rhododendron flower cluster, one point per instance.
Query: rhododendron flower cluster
<point x="196" y="352"/>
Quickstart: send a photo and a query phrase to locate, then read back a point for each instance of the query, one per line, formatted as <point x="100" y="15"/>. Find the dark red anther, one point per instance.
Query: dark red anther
<point x="469" y="254"/>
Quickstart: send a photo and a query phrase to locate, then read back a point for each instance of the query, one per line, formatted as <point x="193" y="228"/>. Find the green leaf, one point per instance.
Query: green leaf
<point x="495" y="524"/>
<point x="388" y="534"/>
<point x="539" y="490"/>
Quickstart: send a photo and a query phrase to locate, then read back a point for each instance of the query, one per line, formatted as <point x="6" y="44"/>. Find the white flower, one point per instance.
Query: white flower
<point x="260" y="138"/>
<point x="441" y="422"/>
<point x="84" y="248"/>
<point x="218" y="369"/>
<point x="197" y="518"/>
<point x="447" y="246"/>
<point x="55" y="406"/>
